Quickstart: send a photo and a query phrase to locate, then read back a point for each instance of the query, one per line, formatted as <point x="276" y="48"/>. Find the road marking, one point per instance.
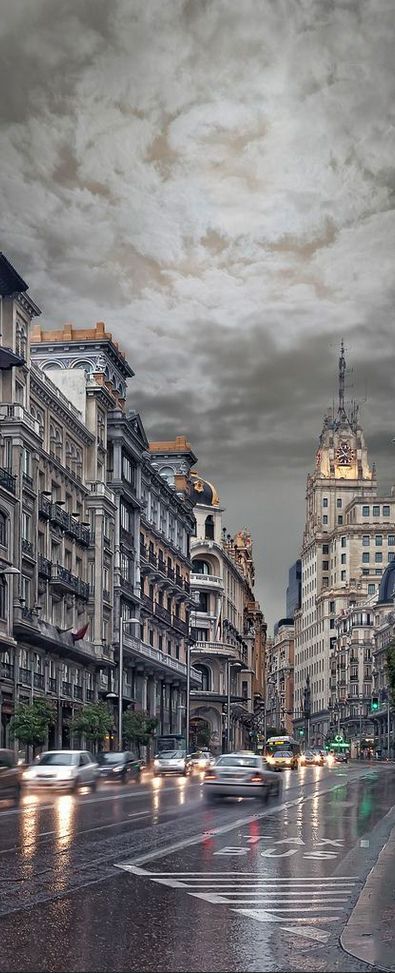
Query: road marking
<point x="320" y="935"/>
<point x="261" y="915"/>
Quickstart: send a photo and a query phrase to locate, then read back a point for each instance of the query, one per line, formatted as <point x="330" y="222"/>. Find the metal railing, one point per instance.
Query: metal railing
<point x="147" y="602"/>
<point x="7" y="480"/>
<point x="162" y="613"/>
<point x="44" y="566"/>
<point x="180" y="625"/>
<point x="25" y="676"/>
<point x="6" y="670"/>
<point x="78" y="692"/>
<point x="38" y="680"/>
<point x="143" y="551"/>
<point x="27" y="480"/>
<point x="44" y="506"/>
<point x="27" y="547"/>
<point x="152" y="558"/>
<point x="62" y="575"/>
<point x="66" y="688"/>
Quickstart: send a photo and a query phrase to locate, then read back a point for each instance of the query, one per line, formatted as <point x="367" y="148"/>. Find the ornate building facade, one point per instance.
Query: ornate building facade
<point x="348" y="537"/>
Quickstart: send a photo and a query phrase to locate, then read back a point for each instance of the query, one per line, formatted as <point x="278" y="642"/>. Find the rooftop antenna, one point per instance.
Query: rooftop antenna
<point x="342" y="373"/>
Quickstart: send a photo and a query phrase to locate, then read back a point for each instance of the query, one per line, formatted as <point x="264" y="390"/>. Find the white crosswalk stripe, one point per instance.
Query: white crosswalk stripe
<point x="263" y="898"/>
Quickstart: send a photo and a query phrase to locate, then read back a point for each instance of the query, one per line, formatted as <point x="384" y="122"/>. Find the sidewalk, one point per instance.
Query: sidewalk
<point x="370" y="932"/>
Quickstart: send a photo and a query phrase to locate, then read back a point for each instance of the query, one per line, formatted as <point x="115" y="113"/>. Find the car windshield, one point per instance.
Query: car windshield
<point x="111" y="758"/>
<point x="283" y="753"/>
<point x="309" y="753"/>
<point x="171" y="755"/>
<point x="59" y="759"/>
<point x="230" y="761"/>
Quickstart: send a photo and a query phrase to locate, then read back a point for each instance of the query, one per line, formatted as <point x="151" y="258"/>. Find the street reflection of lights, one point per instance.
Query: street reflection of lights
<point x="64" y="814"/>
<point x="156" y="786"/>
<point x="181" y="788"/>
<point x="29" y="827"/>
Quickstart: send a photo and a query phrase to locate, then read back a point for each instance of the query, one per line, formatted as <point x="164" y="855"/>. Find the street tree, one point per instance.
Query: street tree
<point x="138" y="728"/>
<point x="94" y="721"/>
<point x="31" y="722"/>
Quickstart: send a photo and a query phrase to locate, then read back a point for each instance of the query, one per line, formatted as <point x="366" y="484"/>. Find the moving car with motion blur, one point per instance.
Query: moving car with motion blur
<point x="172" y="762"/>
<point x="118" y="766"/>
<point x="307" y="759"/>
<point x="201" y="760"/>
<point x="62" y="770"/>
<point x="240" y="775"/>
<point x="282" y="760"/>
<point x="10" y="777"/>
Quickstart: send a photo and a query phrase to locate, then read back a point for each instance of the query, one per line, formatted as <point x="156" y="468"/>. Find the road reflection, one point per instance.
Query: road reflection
<point x="29" y="828"/>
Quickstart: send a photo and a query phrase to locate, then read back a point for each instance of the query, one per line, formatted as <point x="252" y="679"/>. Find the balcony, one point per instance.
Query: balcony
<point x="27" y="547"/>
<point x="25" y="676"/>
<point x="180" y="625"/>
<point x="207" y="581"/>
<point x="127" y="586"/>
<point x="77" y="530"/>
<point x="7" y="480"/>
<point x="143" y="551"/>
<point x="38" y="680"/>
<point x="6" y="670"/>
<point x="90" y="695"/>
<point x="163" y="614"/>
<point x="59" y="516"/>
<point x="158" y="660"/>
<point x="152" y="558"/>
<point x="44" y="566"/>
<point x="66" y="688"/>
<point x="147" y="603"/>
<point x="101" y="490"/>
<point x="27" y="481"/>
<point x="52" y="684"/>
<point x="171" y="573"/>
<point x="106" y="596"/>
<point x="17" y="413"/>
<point x="78" y="692"/>
<point x="63" y="578"/>
<point x="127" y="538"/>
<point x="162" y="565"/>
<point x="224" y="649"/>
<point x="187" y="587"/>
<point x="44" y="506"/>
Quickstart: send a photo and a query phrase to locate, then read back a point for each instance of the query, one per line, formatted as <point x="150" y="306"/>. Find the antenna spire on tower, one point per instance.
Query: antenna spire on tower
<point x="342" y="374"/>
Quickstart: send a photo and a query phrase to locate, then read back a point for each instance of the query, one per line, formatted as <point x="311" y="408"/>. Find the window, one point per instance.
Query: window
<point x="379" y="540"/>
<point x="343" y="558"/>
<point x="128" y="469"/>
<point x="20" y="393"/>
<point x="386" y="510"/>
<point x="339" y="502"/>
<point x="371" y="589"/>
<point x="325" y="519"/>
<point x="391" y="539"/>
<point x="200" y="567"/>
<point x="25" y="589"/>
<point x="209" y="528"/>
<point x="126" y="567"/>
<point x="325" y="581"/>
<point x="203" y="603"/>
<point x="378" y="570"/>
<point x="343" y="576"/>
<point x="340" y="519"/>
<point x="3" y="597"/>
<point x="325" y="565"/>
<point x="366" y="540"/>
<point x="325" y="502"/>
<point x="365" y="557"/>
<point x="376" y="510"/>
<point x="125" y="517"/>
<point x="325" y="548"/>
<point x="206" y="677"/>
<point x="199" y="634"/>
<point x="365" y="571"/>
<point x="365" y="511"/>
<point x="378" y="557"/>
<point x="391" y="555"/>
<point x="151" y="636"/>
<point x="343" y="541"/>
<point x="3" y="529"/>
<point x="26" y="522"/>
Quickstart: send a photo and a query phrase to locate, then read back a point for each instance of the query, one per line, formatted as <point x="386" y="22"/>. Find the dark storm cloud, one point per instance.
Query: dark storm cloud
<point x="215" y="180"/>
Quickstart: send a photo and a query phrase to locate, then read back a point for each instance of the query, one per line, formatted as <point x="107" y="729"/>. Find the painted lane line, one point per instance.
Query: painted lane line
<point x="268" y="892"/>
<point x="202" y="875"/>
<point x="97" y="800"/>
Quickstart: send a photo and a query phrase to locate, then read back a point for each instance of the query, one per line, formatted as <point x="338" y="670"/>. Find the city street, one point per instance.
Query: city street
<point x="148" y="877"/>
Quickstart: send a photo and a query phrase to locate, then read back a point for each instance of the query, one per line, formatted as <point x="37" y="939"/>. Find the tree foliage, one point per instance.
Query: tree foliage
<point x="138" y="728"/>
<point x="391" y="670"/>
<point x="94" y="721"/>
<point x="31" y="722"/>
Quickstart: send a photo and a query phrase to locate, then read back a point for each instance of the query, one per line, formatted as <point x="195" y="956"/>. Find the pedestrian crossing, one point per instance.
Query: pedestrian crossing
<point x="295" y="899"/>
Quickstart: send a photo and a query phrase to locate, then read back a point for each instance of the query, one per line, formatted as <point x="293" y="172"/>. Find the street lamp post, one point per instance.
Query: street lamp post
<point x="230" y="665"/>
<point x="122" y="623"/>
<point x="188" y="698"/>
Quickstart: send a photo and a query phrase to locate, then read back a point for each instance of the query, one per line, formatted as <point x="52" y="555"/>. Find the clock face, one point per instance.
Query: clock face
<point x="344" y="454"/>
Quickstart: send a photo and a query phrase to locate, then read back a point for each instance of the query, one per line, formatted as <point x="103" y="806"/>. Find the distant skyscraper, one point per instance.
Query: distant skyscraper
<point x="294" y="590"/>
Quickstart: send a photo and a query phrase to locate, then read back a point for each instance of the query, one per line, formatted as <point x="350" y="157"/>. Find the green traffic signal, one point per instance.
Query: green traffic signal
<point x="301" y="733"/>
<point x="374" y="704"/>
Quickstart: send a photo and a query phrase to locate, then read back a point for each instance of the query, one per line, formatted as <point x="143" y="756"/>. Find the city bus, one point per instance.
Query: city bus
<point x="273" y="744"/>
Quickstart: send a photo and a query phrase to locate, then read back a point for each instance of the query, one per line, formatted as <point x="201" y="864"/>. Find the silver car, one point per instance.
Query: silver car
<point x="62" y="770"/>
<point x="240" y="775"/>
<point x="172" y="762"/>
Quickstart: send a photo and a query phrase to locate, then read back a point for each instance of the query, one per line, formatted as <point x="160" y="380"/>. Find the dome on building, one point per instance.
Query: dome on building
<point x="387" y="584"/>
<point x="203" y="492"/>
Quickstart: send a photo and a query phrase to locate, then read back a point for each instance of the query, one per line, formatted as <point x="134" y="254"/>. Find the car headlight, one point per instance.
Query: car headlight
<point x="28" y="774"/>
<point x="118" y="770"/>
<point x="156" y="763"/>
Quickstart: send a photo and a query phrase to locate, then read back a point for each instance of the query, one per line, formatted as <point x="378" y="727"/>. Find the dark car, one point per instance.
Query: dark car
<point x="10" y="777"/>
<point x="118" y="766"/>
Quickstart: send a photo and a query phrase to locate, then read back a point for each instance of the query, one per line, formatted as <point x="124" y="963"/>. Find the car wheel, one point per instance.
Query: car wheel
<point x="93" y="786"/>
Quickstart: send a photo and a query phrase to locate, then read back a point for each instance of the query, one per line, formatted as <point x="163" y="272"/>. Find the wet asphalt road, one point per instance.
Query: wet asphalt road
<point x="149" y="878"/>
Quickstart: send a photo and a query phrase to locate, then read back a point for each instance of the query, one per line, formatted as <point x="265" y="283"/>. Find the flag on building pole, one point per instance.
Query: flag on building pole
<point x="76" y="636"/>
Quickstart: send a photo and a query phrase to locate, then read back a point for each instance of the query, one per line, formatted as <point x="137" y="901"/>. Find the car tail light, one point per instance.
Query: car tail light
<point x="256" y="779"/>
<point x="209" y="775"/>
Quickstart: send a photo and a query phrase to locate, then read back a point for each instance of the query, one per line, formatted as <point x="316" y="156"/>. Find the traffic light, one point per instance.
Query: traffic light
<point x="374" y="704"/>
<point x="301" y="732"/>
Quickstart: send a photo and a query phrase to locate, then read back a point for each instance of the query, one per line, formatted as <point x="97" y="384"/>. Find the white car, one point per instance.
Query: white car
<point x="63" y="770"/>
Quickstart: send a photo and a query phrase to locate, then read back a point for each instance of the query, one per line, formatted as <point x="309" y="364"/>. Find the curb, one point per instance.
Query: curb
<point x="369" y="935"/>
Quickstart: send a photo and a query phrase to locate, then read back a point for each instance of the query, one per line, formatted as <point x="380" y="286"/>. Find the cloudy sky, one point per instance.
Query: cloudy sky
<point x="214" y="179"/>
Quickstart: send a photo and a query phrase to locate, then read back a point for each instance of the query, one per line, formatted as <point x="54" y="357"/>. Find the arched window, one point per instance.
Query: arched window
<point x="206" y="677"/>
<point x="168" y="474"/>
<point x="86" y="365"/>
<point x="209" y="528"/>
<point x="3" y="529"/>
<point x="200" y="567"/>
